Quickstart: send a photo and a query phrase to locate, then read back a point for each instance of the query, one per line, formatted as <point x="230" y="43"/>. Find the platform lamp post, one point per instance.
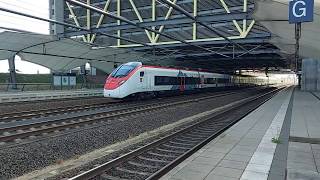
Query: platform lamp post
<point x="297" y="32"/>
<point x="84" y="75"/>
<point x="300" y="11"/>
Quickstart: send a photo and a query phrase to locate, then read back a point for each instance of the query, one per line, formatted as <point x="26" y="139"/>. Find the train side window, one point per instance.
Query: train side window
<point x="141" y="73"/>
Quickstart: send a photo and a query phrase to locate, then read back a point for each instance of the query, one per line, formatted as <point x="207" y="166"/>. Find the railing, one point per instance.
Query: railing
<point x="45" y="86"/>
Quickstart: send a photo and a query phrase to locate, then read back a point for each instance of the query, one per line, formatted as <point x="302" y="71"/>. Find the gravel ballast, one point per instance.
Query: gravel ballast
<point x="32" y="105"/>
<point x="19" y="160"/>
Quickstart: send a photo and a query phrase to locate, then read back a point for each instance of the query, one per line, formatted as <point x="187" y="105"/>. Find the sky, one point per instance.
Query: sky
<point x="34" y="7"/>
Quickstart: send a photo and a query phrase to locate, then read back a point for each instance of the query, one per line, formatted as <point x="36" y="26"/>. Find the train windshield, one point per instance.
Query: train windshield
<point x="124" y="70"/>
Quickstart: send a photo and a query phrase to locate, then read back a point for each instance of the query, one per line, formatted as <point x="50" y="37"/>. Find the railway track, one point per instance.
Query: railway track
<point x="35" y="128"/>
<point x="155" y="159"/>
<point x="48" y="100"/>
<point x="24" y="115"/>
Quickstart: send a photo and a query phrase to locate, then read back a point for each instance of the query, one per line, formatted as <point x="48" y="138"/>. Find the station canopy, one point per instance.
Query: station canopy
<point x="62" y="54"/>
<point x="260" y="47"/>
<point x="273" y="14"/>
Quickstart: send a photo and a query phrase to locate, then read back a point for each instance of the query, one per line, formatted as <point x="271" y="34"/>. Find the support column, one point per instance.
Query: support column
<point x="83" y="69"/>
<point x="84" y="74"/>
<point x="195" y="14"/>
<point x="88" y="21"/>
<point x="118" y="22"/>
<point x="154" y="15"/>
<point x="12" y="69"/>
<point x="318" y="75"/>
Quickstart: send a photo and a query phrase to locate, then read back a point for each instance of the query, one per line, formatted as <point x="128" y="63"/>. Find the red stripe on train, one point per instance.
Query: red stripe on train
<point x="113" y="83"/>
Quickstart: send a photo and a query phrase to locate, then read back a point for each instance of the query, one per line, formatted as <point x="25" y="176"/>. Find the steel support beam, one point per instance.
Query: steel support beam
<point x="180" y="9"/>
<point x="75" y="19"/>
<point x="101" y="19"/>
<point x="180" y="2"/>
<point x="194" y="25"/>
<point x="261" y="38"/>
<point x="182" y="20"/>
<point x="88" y="21"/>
<point x="141" y="20"/>
<point x="122" y="19"/>
<point x="76" y="27"/>
<point x="154" y="17"/>
<point x="168" y="14"/>
<point x="118" y="21"/>
<point x="269" y="51"/>
<point x="220" y="27"/>
<point x="228" y="59"/>
<point x="12" y="70"/>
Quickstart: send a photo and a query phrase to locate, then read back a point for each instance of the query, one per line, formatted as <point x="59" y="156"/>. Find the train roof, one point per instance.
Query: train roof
<point x="137" y="63"/>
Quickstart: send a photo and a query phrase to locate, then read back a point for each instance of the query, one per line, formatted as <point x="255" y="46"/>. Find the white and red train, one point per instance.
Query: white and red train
<point x="135" y="79"/>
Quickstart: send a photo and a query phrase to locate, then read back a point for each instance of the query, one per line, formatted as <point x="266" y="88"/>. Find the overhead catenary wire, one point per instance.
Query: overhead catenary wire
<point x="67" y="25"/>
<point x="16" y="30"/>
<point x="17" y="18"/>
<point x="53" y="21"/>
<point x="56" y="55"/>
<point x="30" y="2"/>
<point x="45" y="12"/>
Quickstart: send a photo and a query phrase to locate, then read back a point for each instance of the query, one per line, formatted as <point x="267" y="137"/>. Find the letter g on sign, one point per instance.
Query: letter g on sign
<point x="299" y="9"/>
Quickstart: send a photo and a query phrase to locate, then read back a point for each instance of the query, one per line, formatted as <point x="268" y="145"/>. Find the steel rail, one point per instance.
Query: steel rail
<point x="24" y="131"/>
<point x="47" y="100"/>
<point x="20" y="115"/>
<point x="127" y="157"/>
<point x="184" y="156"/>
<point x="6" y="117"/>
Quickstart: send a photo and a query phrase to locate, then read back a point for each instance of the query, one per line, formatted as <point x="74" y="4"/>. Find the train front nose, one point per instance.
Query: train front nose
<point x="111" y="88"/>
<point x="106" y="93"/>
<point x="115" y="93"/>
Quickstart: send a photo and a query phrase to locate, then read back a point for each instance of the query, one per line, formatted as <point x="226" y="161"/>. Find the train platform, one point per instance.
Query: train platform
<point x="303" y="160"/>
<point x="279" y="140"/>
<point x="17" y="96"/>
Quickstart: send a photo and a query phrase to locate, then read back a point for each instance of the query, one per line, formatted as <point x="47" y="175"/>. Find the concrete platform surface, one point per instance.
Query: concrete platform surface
<point x="305" y="115"/>
<point x="43" y="95"/>
<point x="303" y="160"/>
<point x="245" y="151"/>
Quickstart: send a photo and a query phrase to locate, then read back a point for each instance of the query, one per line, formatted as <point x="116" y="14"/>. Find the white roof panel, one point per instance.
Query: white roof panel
<point x="59" y="54"/>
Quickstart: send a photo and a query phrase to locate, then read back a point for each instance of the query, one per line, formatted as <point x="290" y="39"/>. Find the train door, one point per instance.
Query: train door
<point x="202" y="81"/>
<point x="199" y="80"/>
<point x="182" y="83"/>
<point x="143" y="80"/>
